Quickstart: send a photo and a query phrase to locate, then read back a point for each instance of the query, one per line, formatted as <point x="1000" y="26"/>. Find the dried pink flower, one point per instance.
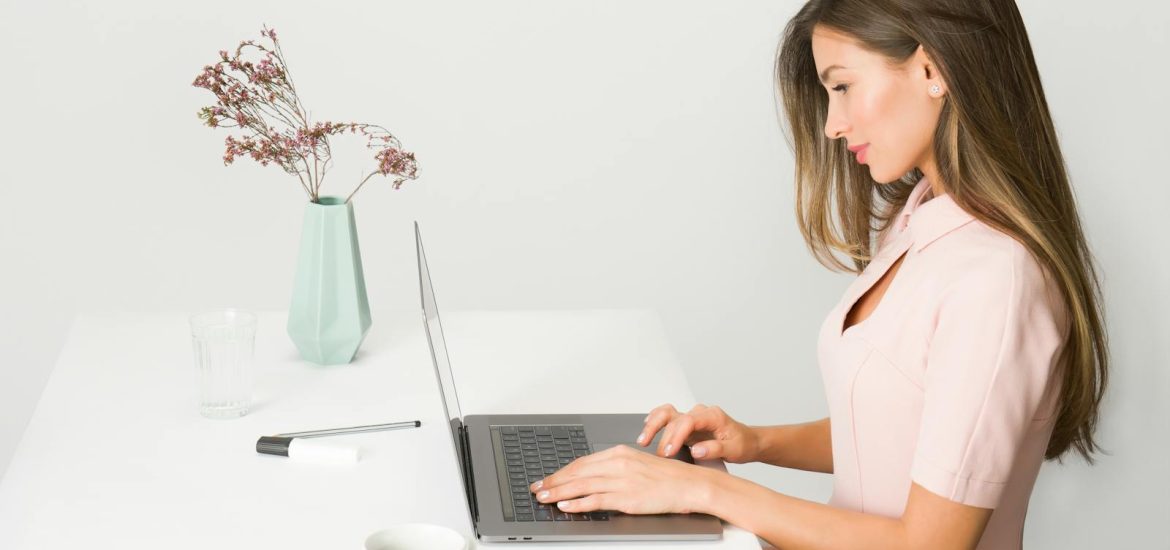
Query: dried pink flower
<point x="259" y="98"/>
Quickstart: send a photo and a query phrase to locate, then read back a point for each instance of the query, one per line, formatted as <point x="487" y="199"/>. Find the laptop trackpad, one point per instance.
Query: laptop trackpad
<point x="683" y="454"/>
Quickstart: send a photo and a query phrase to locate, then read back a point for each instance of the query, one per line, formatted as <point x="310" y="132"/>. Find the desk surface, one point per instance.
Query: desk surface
<point x="117" y="454"/>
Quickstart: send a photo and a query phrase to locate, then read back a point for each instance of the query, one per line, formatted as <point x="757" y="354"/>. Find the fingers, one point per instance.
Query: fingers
<point x="593" y="465"/>
<point x="675" y="433"/>
<point x="711" y="448"/>
<point x="589" y="503"/>
<point x="580" y="488"/>
<point x="657" y="418"/>
<point x="588" y="485"/>
<point x="680" y="430"/>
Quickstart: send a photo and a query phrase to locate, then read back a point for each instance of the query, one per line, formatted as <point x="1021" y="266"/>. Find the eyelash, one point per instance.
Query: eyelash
<point x="841" y="87"/>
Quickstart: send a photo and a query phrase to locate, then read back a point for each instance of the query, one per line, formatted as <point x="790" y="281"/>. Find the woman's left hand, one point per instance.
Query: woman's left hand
<point x="627" y="480"/>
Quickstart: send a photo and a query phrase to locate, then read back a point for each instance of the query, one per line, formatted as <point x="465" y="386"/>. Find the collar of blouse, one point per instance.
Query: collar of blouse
<point x="930" y="218"/>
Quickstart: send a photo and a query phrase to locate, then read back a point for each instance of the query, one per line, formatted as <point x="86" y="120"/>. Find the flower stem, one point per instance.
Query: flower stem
<point x="305" y="187"/>
<point x="360" y="186"/>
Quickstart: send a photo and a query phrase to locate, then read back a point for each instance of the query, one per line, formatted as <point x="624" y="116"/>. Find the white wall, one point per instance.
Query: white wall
<point x="572" y="155"/>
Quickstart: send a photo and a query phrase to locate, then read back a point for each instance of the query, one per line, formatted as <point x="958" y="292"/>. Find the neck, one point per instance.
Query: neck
<point x="936" y="186"/>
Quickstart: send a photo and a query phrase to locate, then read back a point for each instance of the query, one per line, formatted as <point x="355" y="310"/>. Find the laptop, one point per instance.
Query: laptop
<point x="500" y="455"/>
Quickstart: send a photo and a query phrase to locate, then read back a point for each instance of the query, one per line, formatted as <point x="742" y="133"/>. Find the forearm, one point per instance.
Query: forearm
<point x="791" y="523"/>
<point x="805" y="446"/>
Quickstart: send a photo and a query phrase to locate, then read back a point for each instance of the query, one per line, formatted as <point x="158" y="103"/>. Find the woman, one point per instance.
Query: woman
<point x="970" y="348"/>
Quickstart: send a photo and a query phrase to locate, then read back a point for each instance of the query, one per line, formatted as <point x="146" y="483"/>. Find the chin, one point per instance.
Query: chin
<point x="879" y="177"/>
<point x="884" y="177"/>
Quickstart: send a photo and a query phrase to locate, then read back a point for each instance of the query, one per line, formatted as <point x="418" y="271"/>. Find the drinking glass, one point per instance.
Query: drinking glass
<point x="224" y="343"/>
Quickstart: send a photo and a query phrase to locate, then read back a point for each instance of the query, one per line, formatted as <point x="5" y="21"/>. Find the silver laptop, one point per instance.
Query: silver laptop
<point x="501" y="454"/>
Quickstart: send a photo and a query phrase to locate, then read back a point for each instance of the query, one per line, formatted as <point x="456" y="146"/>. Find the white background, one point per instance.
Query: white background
<point x="572" y="155"/>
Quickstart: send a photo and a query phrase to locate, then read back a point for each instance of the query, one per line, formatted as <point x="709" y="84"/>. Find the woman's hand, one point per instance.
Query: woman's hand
<point x="627" y="480"/>
<point x="707" y="430"/>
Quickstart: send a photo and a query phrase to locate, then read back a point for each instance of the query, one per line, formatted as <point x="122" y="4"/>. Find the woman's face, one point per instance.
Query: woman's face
<point x="890" y="111"/>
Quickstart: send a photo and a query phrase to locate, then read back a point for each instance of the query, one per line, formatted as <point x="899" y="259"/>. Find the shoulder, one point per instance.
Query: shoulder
<point x="984" y="268"/>
<point x="978" y="253"/>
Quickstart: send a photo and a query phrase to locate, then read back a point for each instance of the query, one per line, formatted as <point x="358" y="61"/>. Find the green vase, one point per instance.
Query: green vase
<point x="330" y="314"/>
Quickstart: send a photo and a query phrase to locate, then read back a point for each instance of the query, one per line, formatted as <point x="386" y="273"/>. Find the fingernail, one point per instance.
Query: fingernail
<point x="669" y="447"/>
<point x="537" y="485"/>
<point x="543" y="495"/>
<point x="699" y="452"/>
<point x="645" y="420"/>
<point x="563" y="505"/>
<point x="641" y="438"/>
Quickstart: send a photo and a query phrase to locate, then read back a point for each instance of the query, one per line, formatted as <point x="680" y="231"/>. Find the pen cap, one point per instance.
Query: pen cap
<point x="273" y="445"/>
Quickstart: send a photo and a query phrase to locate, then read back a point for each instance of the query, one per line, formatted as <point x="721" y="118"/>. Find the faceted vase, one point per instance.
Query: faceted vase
<point x="329" y="314"/>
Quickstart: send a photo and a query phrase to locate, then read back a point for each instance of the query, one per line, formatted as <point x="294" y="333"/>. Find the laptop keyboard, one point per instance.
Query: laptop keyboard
<point x="530" y="454"/>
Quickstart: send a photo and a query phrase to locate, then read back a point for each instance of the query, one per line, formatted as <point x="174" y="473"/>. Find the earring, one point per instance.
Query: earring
<point x="935" y="89"/>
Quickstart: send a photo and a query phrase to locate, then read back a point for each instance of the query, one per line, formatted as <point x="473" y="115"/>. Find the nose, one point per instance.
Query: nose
<point x="835" y="124"/>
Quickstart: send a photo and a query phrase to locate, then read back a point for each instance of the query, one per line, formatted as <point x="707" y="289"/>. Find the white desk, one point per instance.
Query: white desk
<point x="117" y="456"/>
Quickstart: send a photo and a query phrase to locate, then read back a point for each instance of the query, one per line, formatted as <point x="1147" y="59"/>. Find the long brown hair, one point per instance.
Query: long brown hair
<point x="997" y="156"/>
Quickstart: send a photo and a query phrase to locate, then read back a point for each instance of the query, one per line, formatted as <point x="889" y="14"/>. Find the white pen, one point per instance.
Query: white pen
<point x="292" y="444"/>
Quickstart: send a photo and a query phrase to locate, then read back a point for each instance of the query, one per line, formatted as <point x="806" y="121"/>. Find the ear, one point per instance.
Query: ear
<point x="925" y="67"/>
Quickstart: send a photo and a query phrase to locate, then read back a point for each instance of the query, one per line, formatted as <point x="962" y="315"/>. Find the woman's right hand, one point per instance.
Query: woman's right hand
<point x="707" y="430"/>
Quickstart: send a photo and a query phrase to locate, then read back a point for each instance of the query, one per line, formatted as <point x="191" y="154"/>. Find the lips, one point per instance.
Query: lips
<point x="860" y="151"/>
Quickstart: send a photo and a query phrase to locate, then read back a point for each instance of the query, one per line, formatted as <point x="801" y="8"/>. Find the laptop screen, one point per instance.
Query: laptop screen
<point x="442" y="362"/>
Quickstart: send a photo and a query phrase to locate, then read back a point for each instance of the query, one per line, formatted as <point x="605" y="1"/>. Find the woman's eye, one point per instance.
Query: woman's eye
<point x="841" y="87"/>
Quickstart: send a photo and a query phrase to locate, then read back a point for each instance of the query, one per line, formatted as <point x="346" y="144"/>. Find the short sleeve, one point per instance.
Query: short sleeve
<point x="997" y="338"/>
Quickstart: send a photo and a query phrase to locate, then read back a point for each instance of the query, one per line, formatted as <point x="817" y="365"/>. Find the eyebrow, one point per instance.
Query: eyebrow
<point x="825" y="73"/>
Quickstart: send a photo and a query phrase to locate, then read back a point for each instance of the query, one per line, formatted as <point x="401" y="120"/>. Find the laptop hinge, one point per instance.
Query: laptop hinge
<point x="469" y="480"/>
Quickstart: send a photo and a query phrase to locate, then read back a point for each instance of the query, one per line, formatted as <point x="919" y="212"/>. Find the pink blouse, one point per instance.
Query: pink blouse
<point x="952" y="381"/>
